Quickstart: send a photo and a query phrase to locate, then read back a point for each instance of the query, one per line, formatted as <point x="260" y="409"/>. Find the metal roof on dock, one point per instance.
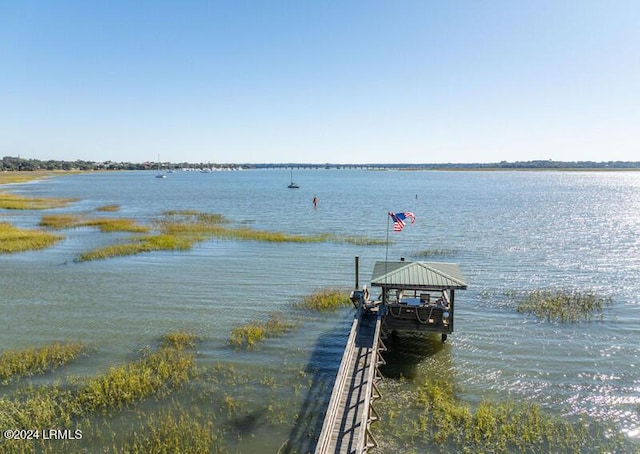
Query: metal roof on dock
<point x="418" y="275"/>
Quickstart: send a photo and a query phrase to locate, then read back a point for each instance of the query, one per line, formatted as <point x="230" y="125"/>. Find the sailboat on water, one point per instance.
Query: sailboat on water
<point x="160" y="174"/>
<point x="292" y="185"/>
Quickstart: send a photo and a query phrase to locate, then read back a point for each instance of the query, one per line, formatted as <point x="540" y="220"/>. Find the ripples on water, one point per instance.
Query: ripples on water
<point x="508" y="231"/>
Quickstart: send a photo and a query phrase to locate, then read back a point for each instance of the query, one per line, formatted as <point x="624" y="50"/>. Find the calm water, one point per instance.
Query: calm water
<point x="508" y="231"/>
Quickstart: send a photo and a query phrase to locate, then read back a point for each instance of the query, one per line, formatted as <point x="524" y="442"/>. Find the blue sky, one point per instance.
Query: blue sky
<point x="320" y="81"/>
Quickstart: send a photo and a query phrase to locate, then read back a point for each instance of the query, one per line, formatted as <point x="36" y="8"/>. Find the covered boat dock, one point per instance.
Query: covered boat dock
<point x="416" y="296"/>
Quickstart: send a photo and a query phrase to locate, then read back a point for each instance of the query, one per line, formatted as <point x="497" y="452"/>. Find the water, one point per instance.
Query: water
<point x="508" y="231"/>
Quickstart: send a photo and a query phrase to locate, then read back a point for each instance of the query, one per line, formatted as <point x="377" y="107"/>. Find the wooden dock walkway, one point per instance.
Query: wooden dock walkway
<point x="349" y="413"/>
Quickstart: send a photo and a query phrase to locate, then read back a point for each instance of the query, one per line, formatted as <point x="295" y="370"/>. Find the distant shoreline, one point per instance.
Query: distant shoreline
<point x="13" y="165"/>
<point x="543" y="169"/>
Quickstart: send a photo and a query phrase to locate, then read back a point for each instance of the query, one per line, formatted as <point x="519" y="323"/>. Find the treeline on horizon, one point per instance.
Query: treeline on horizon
<point x="10" y="163"/>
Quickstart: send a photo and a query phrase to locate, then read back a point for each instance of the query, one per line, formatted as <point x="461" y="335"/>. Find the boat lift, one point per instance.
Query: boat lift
<point x="414" y="296"/>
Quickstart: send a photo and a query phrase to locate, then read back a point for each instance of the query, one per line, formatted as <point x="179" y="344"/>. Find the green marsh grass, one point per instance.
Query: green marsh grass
<point x="183" y="432"/>
<point x="61" y="221"/>
<point x="76" y="403"/>
<point x="325" y="300"/>
<point x="14" y="239"/>
<point x="22" y="177"/>
<point x="13" y="177"/>
<point x="17" y="202"/>
<point x="250" y="334"/>
<point x="216" y="225"/>
<point x="155" y="374"/>
<point x="67" y="221"/>
<point x="358" y="240"/>
<point x="425" y="253"/>
<point x="118" y="225"/>
<point x="220" y="408"/>
<point x="181" y="229"/>
<point x="179" y="340"/>
<point x="564" y="306"/>
<point x="142" y="244"/>
<point x="108" y="208"/>
<point x="441" y="423"/>
<point x="33" y="361"/>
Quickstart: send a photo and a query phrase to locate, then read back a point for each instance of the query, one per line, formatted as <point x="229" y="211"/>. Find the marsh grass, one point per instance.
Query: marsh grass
<point x="79" y="401"/>
<point x="118" y="225"/>
<point x="61" y="221"/>
<point x="108" y="208"/>
<point x="442" y="423"/>
<point x="424" y="253"/>
<point x="122" y="416"/>
<point x="17" y="202"/>
<point x="325" y="300"/>
<point x="358" y="240"/>
<point x="181" y="229"/>
<point x="14" y="239"/>
<point x="23" y="177"/>
<point x="34" y="361"/>
<point x="177" y="231"/>
<point x="156" y="374"/>
<point x="196" y="216"/>
<point x="174" y="433"/>
<point x="13" y="177"/>
<point x="564" y="306"/>
<point x="142" y="244"/>
<point x="250" y="334"/>
<point x="179" y="340"/>
<point x="66" y="221"/>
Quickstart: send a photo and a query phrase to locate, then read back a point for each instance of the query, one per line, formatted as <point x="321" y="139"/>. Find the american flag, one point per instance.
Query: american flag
<point x="398" y="219"/>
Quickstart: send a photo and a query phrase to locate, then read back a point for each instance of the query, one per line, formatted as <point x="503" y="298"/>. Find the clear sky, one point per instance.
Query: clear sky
<point x="320" y="81"/>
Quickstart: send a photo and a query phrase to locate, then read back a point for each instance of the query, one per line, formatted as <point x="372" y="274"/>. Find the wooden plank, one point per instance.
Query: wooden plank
<point x="326" y="434"/>
<point x="346" y="421"/>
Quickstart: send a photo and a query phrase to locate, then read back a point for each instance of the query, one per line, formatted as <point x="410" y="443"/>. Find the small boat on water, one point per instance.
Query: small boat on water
<point x="160" y="174"/>
<point x="415" y="296"/>
<point x="293" y="185"/>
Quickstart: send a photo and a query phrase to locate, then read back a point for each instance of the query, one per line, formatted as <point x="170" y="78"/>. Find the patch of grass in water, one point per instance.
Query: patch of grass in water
<point x="33" y="361"/>
<point x="142" y="244"/>
<point x="250" y="334"/>
<point x="75" y="404"/>
<point x="183" y="432"/>
<point x="431" y="253"/>
<point x="14" y="239"/>
<point x="196" y="216"/>
<point x="155" y="374"/>
<point x="325" y="300"/>
<point x="23" y="177"/>
<point x="441" y="423"/>
<point x="61" y="221"/>
<point x="67" y="221"/>
<point x="358" y="240"/>
<point x="180" y="229"/>
<point x="17" y="202"/>
<point x="117" y="225"/>
<point x="564" y="306"/>
<point x="108" y="208"/>
<point x="179" y="340"/>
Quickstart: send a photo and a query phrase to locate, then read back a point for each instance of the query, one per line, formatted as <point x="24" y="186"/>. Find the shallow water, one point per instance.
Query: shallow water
<point x="508" y="231"/>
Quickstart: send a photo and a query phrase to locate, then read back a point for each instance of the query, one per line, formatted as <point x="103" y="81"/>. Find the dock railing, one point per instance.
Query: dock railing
<point x="334" y="402"/>
<point x="357" y="360"/>
<point x="366" y="439"/>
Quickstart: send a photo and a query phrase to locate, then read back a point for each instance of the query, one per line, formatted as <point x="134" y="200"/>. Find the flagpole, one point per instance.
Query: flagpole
<point x="386" y="259"/>
<point x="386" y="253"/>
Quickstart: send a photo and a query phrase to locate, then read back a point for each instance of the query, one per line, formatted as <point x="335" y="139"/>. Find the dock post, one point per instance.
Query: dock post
<point x="357" y="271"/>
